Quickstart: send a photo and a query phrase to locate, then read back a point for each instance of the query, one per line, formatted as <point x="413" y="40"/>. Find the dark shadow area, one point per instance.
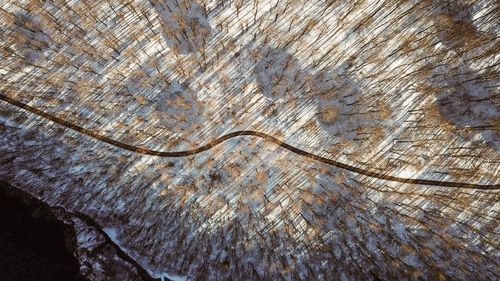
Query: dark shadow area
<point x="454" y="24"/>
<point x="184" y="24"/>
<point x="29" y="38"/>
<point x="278" y="73"/>
<point x="469" y="100"/>
<point x="466" y="97"/>
<point x="33" y="243"/>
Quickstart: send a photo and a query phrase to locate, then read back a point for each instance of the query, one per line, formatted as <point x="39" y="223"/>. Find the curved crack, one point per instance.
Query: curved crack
<point x="119" y="251"/>
<point x="269" y="138"/>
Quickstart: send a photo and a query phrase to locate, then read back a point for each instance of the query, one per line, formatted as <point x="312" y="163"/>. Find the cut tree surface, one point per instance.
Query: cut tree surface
<point x="263" y="139"/>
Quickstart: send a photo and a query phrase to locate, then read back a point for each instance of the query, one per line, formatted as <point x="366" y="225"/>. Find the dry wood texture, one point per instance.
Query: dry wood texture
<point x="353" y="140"/>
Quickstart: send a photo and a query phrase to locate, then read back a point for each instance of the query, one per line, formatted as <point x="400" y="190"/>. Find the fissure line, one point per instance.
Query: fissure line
<point x="269" y="138"/>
